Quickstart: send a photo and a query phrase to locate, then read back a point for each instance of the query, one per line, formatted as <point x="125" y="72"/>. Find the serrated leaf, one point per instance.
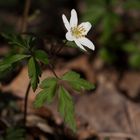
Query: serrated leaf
<point x="41" y="56"/>
<point x="4" y="67"/>
<point x="48" y="82"/>
<point x="7" y="62"/>
<point x="14" y="40"/>
<point x="49" y="86"/>
<point x="76" y="82"/>
<point x="13" y="59"/>
<point x="17" y="40"/>
<point x="66" y="108"/>
<point x="46" y="95"/>
<point x="34" y="72"/>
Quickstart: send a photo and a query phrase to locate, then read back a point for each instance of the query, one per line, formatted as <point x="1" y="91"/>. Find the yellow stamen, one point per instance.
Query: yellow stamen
<point x="78" y="31"/>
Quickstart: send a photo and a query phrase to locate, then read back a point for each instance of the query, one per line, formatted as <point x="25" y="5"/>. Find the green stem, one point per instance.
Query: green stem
<point x="51" y="66"/>
<point x="61" y="48"/>
<point x="26" y="103"/>
<point x="53" y="71"/>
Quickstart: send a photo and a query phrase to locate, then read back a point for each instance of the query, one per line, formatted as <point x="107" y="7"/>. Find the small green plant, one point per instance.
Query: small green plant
<point x="63" y="86"/>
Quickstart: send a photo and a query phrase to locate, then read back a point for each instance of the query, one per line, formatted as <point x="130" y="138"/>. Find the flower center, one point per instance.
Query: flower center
<point x="78" y="31"/>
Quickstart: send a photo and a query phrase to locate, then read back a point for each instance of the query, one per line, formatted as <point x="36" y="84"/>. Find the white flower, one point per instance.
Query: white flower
<point x="77" y="32"/>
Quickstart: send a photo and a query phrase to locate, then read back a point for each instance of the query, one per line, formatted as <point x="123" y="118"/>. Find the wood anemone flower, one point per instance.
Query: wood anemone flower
<point x="77" y="32"/>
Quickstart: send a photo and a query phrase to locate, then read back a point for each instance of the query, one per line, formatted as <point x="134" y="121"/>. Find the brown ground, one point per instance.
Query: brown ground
<point x="112" y="110"/>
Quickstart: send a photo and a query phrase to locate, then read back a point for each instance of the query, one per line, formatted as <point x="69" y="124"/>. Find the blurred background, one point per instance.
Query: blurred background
<point x="112" y="110"/>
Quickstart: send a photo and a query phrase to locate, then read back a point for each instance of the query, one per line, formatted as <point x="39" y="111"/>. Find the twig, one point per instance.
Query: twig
<point x="25" y="15"/>
<point x="26" y="103"/>
<point x="117" y="135"/>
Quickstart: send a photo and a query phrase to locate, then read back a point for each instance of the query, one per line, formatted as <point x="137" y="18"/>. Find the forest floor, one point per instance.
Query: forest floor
<point x="110" y="111"/>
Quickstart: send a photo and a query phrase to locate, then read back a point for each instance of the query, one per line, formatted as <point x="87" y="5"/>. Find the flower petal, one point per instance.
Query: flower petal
<point x="87" y="26"/>
<point x="66" y="23"/>
<point x="69" y="36"/>
<point x="79" y="45"/>
<point x="73" y="19"/>
<point x="86" y="42"/>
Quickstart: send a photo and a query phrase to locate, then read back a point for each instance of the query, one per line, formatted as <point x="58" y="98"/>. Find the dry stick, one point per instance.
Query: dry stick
<point x="25" y="16"/>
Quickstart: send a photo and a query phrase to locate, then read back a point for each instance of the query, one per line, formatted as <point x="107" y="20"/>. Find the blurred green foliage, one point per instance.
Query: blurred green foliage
<point x="14" y="133"/>
<point x="117" y="25"/>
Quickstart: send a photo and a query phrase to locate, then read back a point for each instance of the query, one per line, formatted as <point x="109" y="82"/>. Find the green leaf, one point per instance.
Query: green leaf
<point x="29" y="41"/>
<point x="17" y="40"/>
<point x="14" y="40"/>
<point x="48" y="82"/>
<point x="66" y="108"/>
<point x="7" y="62"/>
<point x="13" y="59"/>
<point x="49" y="86"/>
<point x="34" y="72"/>
<point x="41" y="56"/>
<point x="76" y="82"/>
<point x="4" y="67"/>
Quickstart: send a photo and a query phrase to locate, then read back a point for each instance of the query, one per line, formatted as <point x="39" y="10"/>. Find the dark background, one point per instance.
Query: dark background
<point x="111" y="111"/>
